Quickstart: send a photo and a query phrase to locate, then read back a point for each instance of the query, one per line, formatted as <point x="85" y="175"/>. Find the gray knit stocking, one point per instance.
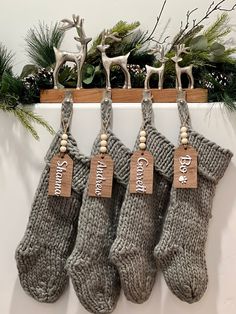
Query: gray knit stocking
<point x="181" y="250"/>
<point x="141" y="219"/>
<point x="52" y="226"/>
<point x="95" y="279"/>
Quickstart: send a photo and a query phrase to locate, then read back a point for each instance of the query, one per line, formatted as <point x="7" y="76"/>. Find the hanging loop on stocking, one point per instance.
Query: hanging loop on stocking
<point x="106" y="116"/>
<point x="147" y="111"/>
<point x="102" y="166"/>
<point x="66" y="111"/>
<point x="185" y="156"/>
<point x="61" y="165"/>
<point x="66" y="116"/>
<point x="106" y="110"/>
<point x="184" y="115"/>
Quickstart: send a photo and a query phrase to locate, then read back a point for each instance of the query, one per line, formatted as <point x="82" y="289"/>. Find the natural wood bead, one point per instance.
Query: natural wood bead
<point x="184" y="135"/>
<point x="184" y="141"/>
<point x="142" y="139"/>
<point x="183" y="129"/>
<point x="103" y="143"/>
<point x="62" y="149"/>
<point x="142" y="133"/>
<point x="63" y="142"/>
<point x="64" y="136"/>
<point x="104" y="136"/>
<point x="103" y="149"/>
<point x="142" y="145"/>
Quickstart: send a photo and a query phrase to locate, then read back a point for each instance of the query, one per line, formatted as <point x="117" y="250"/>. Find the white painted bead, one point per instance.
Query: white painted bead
<point x="184" y="141"/>
<point x="142" y="145"/>
<point x="104" y="136"/>
<point x="142" y="139"/>
<point x="63" y="142"/>
<point x="142" y="133"/>
<point x="64" y="136"/>
<point x="103" y="143"/>
<point x="184" y="135"/>
<point x="103" y="149"/>
<point x="183" y="129"/>
<point x="62" y="149"/>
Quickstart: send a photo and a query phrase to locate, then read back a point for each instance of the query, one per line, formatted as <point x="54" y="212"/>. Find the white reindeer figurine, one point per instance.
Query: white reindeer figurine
<point x="179" y="71"/>
<point x="152" y="70"/>
<point x="77" y="57"/>
<point x="109" y="62"/>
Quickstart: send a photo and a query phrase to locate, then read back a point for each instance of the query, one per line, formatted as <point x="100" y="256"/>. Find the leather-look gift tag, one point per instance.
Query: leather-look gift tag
<point x="101" y="176"/>
<point x="141" y="172"/>
<point x="185" y="168"/>
<point x="60" y="177"/>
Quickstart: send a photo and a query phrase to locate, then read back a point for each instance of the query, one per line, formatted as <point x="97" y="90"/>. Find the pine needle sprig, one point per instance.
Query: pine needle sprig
<point x="6" y="60"/>
<point x="40" y="42"/>
<point x="219" y="29"/>
<point x="26" y="118"/>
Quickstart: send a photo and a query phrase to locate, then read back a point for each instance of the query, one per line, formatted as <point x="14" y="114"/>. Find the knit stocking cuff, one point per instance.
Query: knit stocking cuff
<point x="212" y="159"/>
<point x="162" y="151"/>
<point x="120" y="155"/>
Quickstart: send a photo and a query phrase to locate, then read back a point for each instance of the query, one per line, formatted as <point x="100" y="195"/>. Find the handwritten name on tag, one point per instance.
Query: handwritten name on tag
<point x="141" y="173"/>
<point x="185" y="168"/>
<point x="101" y="176"/>
<point x="60" y="177"/>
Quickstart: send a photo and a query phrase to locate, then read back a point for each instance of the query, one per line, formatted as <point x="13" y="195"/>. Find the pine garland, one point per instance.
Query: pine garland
<point x="214" y="64"/>
<point x="13" y="91"/>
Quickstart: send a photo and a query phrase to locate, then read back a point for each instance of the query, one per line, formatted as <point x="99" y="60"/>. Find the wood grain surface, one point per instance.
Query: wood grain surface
<point x="133" y="95"/>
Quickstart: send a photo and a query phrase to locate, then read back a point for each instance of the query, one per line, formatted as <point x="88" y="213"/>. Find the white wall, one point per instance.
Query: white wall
<point x="18" y="16"/>
<point x="21" y="158"/>
<point x="21" y="163"/>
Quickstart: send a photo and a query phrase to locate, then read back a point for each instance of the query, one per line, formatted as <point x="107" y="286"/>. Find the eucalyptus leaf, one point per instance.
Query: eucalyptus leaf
<point x="28" y="69"/>
<point x="217" y="49"/>
<point x="199" y="43"/>
<point x="88" y="73"/>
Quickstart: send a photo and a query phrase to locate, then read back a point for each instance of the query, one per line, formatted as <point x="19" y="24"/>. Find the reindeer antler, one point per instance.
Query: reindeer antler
<point x="157" y="49"/>
<point x="80" y="30"/>
<point x="182" y="49"/>
<point x="107" y="34"/>
<point x="68" y="24"/>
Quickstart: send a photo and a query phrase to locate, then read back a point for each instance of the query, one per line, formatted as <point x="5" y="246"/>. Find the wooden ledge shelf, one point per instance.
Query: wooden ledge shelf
<point x="133" y="95"/>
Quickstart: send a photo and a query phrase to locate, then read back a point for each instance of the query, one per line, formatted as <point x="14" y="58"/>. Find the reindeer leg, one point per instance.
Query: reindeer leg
<point x="127" y="83"/>
<point x="179" y="86"/>
<point x="80" y="84"/>
<point x="126" y="77"/>
<point x="176" y="83"/>
<point x="56" y="72"/>
<point x="78" y="73"/>
<point x="107" y="73"/>
<point x="192" y="81"/>
<point x="149" y="73"/>
<point x="146" y="82"/>
<point x="161" y="80"/>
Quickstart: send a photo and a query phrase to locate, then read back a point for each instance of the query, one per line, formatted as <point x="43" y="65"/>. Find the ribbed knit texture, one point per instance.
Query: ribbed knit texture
<point x="141" y="219"/>
<point x="181" y="250"/>
<point x="94" y="277"/>
<point x="52" y="227"/>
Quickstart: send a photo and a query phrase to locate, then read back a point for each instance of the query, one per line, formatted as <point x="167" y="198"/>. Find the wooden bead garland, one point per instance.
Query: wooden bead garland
<point x="103" y="143"/>
<point x="64" y="143"/>
<point x="142" y="140"/>
<point x="184" y="135"/>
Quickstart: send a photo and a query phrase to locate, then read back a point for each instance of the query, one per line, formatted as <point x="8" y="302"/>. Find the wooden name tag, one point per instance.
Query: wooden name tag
<point x="101" y="176"/>
<point x="60" y="177"/>
<point x="141" y="172"/>
<point x="185" y="168"/>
